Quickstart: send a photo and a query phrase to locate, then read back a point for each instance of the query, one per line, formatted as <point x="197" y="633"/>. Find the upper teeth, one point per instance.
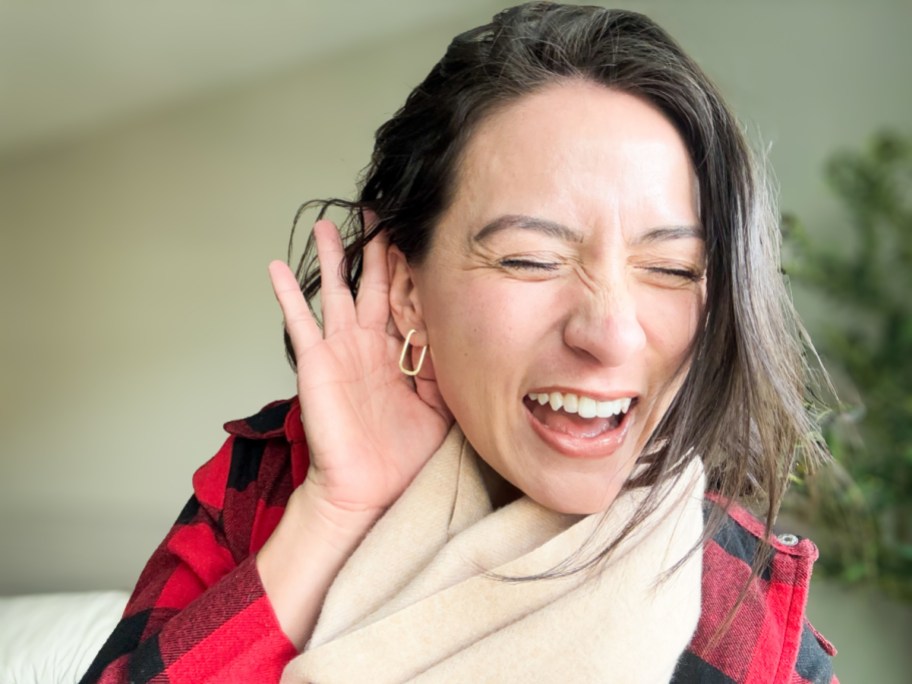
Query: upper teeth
<point x="586" y="407"/>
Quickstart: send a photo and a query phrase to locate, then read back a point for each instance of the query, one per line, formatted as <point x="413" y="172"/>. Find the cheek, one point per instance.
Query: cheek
<point x="491" y="319"/>
<point x="671" y="320"/>
<point x="484" y="344"/>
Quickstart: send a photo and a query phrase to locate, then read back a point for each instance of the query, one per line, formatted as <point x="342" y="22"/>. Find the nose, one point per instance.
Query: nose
<point x="604" y="325"/>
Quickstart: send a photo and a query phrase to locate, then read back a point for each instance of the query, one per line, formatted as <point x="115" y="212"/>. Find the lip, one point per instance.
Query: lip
<point x="588" y="448"/>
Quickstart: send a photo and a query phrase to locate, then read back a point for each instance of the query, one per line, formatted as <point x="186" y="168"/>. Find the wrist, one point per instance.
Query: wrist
<point x="305" y="552"/>
<point x="339" y="527"/>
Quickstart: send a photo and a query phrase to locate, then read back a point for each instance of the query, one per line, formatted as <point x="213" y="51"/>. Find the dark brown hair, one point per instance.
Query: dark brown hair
<point x="742" y="405"/>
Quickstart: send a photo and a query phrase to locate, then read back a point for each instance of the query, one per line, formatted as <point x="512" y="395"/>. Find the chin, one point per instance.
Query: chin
<point x="576" y="509"/>
<point x="576" y="503"/>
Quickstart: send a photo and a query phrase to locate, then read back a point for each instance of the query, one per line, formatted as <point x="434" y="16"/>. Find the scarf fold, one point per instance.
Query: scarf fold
<point x="423" y="598"/>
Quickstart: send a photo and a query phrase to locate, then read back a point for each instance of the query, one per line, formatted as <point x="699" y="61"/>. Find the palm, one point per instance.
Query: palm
<point x="368" y="429"/>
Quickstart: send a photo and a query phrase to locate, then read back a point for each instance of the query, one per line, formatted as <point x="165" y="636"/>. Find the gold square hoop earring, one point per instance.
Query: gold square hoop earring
<point x="405" y="348"/>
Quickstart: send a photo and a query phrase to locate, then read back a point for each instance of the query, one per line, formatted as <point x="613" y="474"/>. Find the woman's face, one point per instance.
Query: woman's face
<point x="563" y="289"/>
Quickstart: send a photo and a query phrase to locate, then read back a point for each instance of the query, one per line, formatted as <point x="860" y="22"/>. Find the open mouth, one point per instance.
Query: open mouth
<point x="567" y="419"/>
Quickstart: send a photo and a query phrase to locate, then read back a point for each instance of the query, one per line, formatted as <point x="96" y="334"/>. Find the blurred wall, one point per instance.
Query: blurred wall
<point x="137" y="315"/>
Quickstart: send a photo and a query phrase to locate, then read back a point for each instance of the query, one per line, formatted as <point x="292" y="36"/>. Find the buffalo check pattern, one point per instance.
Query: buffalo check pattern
<point x="199" y="612"/>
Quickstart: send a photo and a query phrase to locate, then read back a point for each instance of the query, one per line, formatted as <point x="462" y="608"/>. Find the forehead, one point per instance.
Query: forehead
<point x="575" y="147"/>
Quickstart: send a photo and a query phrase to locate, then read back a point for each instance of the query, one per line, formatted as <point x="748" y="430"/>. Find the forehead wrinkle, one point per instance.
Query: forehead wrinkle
<point x="544" y="226"/>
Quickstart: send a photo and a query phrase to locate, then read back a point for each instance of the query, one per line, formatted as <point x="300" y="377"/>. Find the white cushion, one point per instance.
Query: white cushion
<point x="52" y="638"/>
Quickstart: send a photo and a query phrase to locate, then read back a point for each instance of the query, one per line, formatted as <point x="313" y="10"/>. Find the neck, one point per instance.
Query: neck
<point x="500" y="490"/>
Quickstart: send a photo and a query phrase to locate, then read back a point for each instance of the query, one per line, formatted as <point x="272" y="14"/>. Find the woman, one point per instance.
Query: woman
<point x="557" y="320"/>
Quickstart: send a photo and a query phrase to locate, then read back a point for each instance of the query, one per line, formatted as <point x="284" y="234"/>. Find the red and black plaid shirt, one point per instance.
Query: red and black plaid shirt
<point x="199" y="612"/>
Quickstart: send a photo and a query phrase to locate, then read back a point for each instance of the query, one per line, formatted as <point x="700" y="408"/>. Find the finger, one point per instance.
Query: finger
<point x="372" y="304"/>
<point x="335" y="297"/>
<point x="299" y="321"/>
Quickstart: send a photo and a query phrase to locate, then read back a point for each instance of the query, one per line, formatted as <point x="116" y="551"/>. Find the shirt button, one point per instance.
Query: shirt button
<point x="788" y="539"/>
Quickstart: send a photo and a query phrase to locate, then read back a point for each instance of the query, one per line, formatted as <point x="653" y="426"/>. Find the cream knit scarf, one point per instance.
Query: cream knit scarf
<point x="416" y="601"/>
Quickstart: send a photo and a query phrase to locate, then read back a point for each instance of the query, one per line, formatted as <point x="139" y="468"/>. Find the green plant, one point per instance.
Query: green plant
<point x="860" y="507"/>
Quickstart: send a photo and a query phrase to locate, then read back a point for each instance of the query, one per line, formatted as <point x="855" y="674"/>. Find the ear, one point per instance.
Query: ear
<point x="405" y="303"/>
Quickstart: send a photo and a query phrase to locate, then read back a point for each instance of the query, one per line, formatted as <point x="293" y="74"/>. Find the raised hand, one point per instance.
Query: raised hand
<point x="369" y="430"/>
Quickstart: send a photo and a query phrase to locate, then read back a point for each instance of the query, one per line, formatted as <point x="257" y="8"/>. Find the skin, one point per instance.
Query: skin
<point x="597" y="288"/>
<point x="354" y="402"/>
<point x="571" y="259"/>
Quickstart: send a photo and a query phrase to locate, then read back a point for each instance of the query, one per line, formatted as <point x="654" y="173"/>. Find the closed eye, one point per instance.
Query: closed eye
<point x="529" y="265"/>
<point x="683" y="273"/>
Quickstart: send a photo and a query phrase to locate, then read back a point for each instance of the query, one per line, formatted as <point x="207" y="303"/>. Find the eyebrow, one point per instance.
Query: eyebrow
<point x="508" y="221"/>
<point x="670" y="233"/>
<point x="558" y="230"/>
